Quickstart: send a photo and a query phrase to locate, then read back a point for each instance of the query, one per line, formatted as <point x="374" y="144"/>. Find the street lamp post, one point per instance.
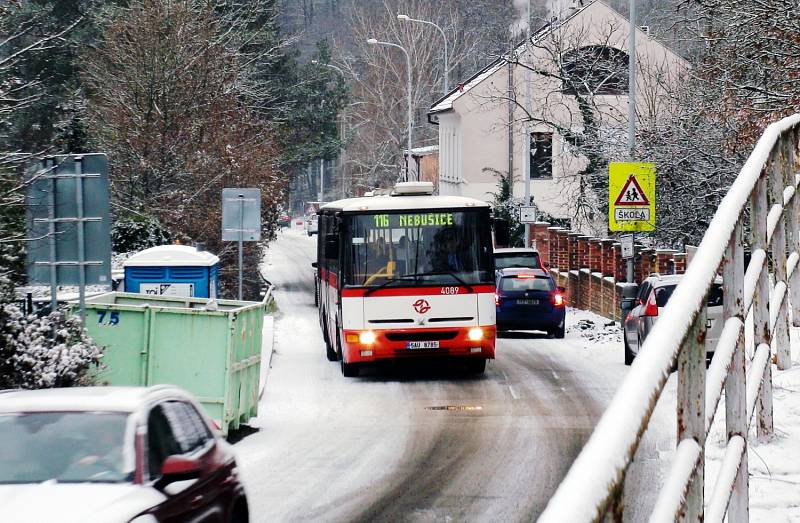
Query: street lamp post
<point x="407" y="18"/>
<point x="343" y="125"/>
<point x="373" y="41"/>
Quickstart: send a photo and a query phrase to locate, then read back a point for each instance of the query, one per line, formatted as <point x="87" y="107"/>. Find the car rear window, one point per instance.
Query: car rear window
<point x="539" y="283"/>
<point x="664" y="293"/>
<point x="517" y="259"/>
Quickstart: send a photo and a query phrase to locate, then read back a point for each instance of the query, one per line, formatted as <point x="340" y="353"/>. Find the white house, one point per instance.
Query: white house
<point x="484" y="130"/>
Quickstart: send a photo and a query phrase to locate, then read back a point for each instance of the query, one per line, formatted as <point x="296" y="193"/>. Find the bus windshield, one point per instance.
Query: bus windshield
<point x="418" y="248"/>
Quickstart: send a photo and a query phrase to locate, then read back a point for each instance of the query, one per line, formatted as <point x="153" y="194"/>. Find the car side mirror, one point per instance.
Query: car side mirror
<point x="546" y="265"/>
<point x="314" y="264"/>
<point x="178" y="468"/>
<point x="628" y="304"/>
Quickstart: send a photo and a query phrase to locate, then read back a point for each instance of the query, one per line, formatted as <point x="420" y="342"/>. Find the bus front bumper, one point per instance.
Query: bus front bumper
<point x="373" y="345"/>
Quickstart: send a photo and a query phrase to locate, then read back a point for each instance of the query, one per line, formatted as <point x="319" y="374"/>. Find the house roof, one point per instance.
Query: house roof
<point x="446" y="102"/>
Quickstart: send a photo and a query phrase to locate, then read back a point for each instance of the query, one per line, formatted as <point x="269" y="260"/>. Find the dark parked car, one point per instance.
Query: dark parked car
<point x="506" y="258"/>
<point x="528" y="299"/>
<point x="114" y="454"/>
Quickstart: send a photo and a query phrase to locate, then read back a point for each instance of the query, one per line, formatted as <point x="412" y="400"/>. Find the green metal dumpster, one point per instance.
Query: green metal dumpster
<point x="213" y="351"/>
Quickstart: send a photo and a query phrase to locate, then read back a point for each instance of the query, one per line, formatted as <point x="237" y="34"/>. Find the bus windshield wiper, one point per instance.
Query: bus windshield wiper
<point x="416" y="277"/>
<point x="438" y="273"/>
<point x="382" y="285"/>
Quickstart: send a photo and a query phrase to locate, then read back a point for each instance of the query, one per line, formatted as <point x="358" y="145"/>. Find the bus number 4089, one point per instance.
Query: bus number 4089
<point x="450" y="290"/>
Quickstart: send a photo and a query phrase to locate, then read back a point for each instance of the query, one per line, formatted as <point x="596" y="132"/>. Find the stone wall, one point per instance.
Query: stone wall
<point x="593" y="271"/>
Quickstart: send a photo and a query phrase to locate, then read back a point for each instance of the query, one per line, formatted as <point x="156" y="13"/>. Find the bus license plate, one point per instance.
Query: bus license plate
<point x="422" y="344"/>
<point x="528" y="302"/>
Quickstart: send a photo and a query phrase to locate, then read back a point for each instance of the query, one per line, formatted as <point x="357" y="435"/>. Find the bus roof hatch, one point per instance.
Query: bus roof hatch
<point x="413" y="188"/>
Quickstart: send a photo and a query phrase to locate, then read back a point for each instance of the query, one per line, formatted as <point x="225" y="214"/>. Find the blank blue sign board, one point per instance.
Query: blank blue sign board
<point x="53" y="200"/>
<point x="241" y="215"/>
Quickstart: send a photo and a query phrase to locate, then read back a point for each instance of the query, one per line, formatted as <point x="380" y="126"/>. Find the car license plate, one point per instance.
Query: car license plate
<point x="422" y="344"/>
<point x="527" y="302"/>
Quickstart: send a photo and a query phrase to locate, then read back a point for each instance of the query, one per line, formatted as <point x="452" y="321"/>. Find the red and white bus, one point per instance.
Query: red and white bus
<point x="406" y="274"/>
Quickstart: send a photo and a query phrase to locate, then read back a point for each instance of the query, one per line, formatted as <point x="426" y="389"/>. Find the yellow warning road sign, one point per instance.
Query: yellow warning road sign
<point x="631" y="196"/>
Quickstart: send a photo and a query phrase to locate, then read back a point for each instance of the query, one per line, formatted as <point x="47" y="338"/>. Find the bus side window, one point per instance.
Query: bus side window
<point x="322" y="227"/>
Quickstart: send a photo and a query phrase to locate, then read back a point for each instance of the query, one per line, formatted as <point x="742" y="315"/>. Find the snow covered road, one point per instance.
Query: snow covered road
<point x="384" y="447"/>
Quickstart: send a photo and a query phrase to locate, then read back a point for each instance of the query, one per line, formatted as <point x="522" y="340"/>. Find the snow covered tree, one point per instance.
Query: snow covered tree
<point x="44" y="352"/>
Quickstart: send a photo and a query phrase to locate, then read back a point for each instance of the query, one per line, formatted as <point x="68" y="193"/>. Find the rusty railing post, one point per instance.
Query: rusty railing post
<point x="735" y="386"/>
<point x="691" y="407"/>
<point x="777" y="184"/>
<point x="758" y="228"/>
<point x="792" y="165"/>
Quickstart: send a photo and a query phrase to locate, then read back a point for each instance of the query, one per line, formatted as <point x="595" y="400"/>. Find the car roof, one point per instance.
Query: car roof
<point x="515" y="250"/>
<point x="659" y="280"/>
<point x="108" y="399"/>
<point x="514" y="271"/>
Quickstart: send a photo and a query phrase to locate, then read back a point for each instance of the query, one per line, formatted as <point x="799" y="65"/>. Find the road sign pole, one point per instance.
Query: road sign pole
<point x="629" y="271"/>
<point x="50" y="165"/>
<point x="241" y="241"/>
<point x="81" y="240"/>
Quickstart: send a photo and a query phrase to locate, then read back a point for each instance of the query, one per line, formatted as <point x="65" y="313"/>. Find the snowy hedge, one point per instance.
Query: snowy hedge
<point x="32" y="358"/>
<point x="136" y="234"/>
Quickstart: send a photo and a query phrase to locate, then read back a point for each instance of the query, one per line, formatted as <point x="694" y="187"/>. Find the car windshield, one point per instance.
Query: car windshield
<point x="516" y="259"/>
<point x="68" y="447"/>
<point x="515" y="283"/>
<point x="664" y="293"/>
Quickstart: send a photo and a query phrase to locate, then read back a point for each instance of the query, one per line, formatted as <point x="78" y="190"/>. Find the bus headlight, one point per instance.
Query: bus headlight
<point x="366" y="338"/>
<point x="475" y="334"/>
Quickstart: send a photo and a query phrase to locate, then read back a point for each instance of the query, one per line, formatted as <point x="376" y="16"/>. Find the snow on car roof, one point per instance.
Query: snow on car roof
<point x="109" y="399"/>
<point x="399" y="203"/>
<point x="513" y="250"/>
<point x="513" y="271"/>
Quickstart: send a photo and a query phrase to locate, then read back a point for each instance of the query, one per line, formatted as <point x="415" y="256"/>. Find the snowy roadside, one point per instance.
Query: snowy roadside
<point x="774" y="465"/>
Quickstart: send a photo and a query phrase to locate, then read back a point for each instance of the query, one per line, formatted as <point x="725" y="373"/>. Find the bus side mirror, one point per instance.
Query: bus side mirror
<point x="331" y="247"/>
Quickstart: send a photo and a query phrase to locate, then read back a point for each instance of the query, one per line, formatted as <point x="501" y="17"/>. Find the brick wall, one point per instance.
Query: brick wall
<point x="592" y="269"/>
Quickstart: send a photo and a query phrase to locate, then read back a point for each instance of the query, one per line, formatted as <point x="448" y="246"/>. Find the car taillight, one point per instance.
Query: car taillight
<point x="558" y="299"/>
<point x="496" y="300"/>
<point x="650" y="308"/>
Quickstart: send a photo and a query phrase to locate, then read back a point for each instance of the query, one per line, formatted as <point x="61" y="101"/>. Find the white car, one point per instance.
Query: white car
<point x="643" y="311"/>
<point x="312" y="224"/>
<point x="114" y="454"/>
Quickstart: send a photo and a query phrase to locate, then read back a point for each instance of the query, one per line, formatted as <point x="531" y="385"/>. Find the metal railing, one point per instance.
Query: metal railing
<point x="762" y="203"/>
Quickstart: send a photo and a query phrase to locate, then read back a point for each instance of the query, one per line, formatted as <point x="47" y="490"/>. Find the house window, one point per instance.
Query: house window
<point x="541" y="155"/>
<point x="596" y="69"/>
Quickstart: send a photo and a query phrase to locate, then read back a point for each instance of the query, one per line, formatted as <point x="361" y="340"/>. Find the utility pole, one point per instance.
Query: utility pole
<point x="321" y="181"/>
<point x="632" y="110"/>
<point x="527" y="140"/>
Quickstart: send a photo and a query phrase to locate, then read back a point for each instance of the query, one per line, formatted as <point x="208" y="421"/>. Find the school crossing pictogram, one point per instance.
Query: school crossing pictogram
<point x="632" y="194"/>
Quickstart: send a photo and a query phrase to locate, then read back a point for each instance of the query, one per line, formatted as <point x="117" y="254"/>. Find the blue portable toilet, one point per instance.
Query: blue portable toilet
<point x="173" y="270"/>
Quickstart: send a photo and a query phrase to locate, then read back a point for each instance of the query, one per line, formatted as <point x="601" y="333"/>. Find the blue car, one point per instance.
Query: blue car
<point x="528" y="299"/>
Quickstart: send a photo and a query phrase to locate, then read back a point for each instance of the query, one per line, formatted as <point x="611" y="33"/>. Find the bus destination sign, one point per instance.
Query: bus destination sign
<point x="435" y="219"/>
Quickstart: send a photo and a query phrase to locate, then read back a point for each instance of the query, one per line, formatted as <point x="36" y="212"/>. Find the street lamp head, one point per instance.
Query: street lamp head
<point x="403" y="17"/>
<point x="372" y="41"/>
<point x="315" y="62"/>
